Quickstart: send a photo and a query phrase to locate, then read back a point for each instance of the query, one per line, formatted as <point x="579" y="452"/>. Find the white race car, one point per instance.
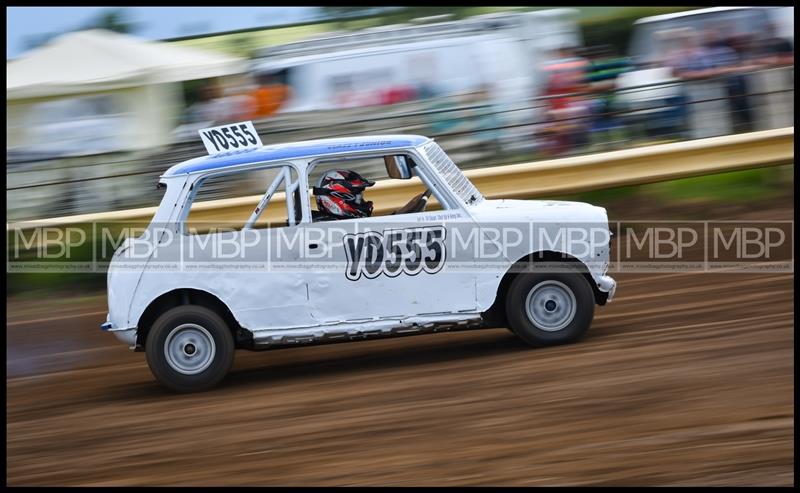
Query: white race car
<point x="190" y="300"/>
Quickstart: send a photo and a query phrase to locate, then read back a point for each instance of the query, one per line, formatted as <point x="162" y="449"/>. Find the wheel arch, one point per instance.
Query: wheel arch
<point x="495" y="315"/>
<point x="189" y="296"/>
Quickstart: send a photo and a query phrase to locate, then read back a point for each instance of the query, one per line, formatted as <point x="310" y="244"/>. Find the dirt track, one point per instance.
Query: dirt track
<point x="683" y="379"/>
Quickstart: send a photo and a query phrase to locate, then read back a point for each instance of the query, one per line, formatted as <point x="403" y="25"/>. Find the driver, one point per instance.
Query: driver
<point x="339" y="196"/>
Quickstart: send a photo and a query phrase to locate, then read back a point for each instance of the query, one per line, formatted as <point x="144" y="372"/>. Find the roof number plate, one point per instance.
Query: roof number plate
<point x="230" y="138"/>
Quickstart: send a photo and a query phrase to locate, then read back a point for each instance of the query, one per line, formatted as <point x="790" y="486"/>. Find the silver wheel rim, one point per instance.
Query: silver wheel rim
<point x="551" y="305"/>
<point x="189" y="349"/>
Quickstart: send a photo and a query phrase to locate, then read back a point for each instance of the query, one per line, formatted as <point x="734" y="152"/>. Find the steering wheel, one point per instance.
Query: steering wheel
<point x="417" y="204"/>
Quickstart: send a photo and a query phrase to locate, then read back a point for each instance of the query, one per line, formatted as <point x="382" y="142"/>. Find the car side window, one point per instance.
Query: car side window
<point x="274" y="208"/>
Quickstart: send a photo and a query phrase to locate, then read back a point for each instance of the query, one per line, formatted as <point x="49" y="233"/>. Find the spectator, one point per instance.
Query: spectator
<point x="270" y="94"/>
<point x="483" y="116"/>
<point x="737" y="83"/>
<point x="716" y="57"/>
<point x="661" y="110"/>
<point x="397" y="94"/>
<point x="239" y="104"/>
<point x="209" y="109"/>
<point x="774" y="51"/>
<point x="745" y="47"/>
<point x="567" y="109"/>
<point x="693" y="59"/>
<point x="601" y="75"/>
<point x="426" y="90"/>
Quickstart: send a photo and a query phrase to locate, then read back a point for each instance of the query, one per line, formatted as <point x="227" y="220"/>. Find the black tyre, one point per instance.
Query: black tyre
<point x="550" y="309"/>
<point x="189" y="348"/>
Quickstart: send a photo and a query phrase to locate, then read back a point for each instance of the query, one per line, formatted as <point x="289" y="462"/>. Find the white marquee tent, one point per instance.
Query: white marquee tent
<point x="136" y="77"/>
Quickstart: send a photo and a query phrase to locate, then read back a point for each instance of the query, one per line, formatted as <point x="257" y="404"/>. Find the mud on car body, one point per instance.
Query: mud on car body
<point x="472" y="263"/>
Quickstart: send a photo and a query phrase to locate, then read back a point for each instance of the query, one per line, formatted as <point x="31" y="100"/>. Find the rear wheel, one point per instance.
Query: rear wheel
<point x="550" y="309"/>
<point x="189" y="348"/>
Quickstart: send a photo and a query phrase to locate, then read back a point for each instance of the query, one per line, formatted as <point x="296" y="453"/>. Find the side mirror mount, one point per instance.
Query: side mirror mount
<point x="398" y="167"/>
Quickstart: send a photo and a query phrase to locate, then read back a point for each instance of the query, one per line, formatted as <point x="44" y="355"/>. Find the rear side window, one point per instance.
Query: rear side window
<point x="242" y="191"/>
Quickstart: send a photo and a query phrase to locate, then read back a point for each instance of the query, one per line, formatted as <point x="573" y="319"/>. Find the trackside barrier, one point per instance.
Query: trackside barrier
<point x="523" y="181"/>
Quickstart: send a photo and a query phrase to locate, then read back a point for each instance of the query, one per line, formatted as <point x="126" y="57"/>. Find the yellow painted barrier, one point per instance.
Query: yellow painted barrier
<point x="526" y="180"/>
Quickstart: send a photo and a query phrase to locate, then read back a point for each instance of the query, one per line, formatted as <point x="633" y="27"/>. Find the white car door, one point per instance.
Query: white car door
<point x="388" y="267"/>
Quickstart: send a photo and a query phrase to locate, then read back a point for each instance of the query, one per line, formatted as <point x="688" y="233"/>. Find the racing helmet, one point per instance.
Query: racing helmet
<point x="339" y="194"/>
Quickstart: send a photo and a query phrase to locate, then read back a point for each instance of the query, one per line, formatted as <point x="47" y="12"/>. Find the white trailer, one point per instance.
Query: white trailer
<point x="502" y="53"/>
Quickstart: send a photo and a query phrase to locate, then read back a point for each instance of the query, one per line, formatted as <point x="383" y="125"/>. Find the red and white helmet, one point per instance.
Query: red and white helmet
<point x="339" y="194"/>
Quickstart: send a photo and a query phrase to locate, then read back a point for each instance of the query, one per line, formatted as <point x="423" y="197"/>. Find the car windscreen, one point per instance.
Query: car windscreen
<point x="453" y="176"/>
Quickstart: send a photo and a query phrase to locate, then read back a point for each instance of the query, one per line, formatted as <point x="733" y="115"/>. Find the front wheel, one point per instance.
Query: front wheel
<point x="189" y="348"/>
<point x="550" y="309"/>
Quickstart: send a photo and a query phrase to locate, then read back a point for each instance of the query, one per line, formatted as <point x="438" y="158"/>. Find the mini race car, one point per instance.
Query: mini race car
<point x="536" y="267"/>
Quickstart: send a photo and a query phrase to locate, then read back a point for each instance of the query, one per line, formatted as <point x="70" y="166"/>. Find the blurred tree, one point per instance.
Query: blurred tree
<point x="32" y="41"/>
<point x="116" y="20"/>
<point x="241" y="45"/>
<point x="339" y="12"/>
<point x="112" y="19"/>
<point x="341" y="15"/>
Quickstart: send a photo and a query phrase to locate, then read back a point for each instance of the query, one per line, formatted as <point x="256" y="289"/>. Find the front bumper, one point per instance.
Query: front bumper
<point x="607" y="284"/>
<point x="126" y="335"/>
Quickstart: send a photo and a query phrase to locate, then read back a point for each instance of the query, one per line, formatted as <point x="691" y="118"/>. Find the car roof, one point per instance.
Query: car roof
<point x="308" y="148"/>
